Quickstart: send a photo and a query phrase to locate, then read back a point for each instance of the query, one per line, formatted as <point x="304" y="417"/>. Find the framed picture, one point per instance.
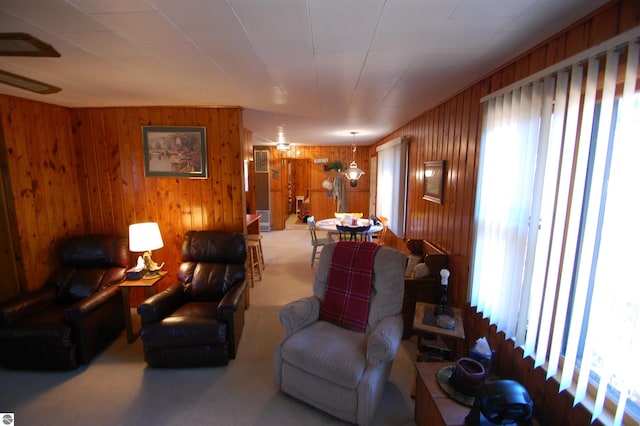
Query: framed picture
<point x="433" y="181"/>
<point x="175" y="151"/>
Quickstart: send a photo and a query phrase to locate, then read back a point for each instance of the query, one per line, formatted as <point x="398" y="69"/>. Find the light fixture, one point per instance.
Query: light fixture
<point x="144" y="237"/>
<point x="25" y="83"/>
<point x="22" y="44"/>
<point x="354" y="172"/>
<point x="282" y="146"/>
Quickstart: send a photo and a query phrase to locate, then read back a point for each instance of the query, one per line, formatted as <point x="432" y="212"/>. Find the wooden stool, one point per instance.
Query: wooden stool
<point x="254" y="261"/>
<point x="258" y="238"/>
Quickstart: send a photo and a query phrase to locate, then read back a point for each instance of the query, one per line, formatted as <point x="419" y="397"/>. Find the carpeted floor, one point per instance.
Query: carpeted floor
<point x="117" y="388"/>
<point x="294" y="222"/>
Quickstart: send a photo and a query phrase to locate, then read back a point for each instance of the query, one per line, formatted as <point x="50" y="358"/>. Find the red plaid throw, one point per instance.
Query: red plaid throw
<point x="346" y="298"/>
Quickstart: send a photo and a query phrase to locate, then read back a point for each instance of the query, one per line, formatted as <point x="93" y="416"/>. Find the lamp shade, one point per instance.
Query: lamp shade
<point x="354" y="172"/>
<point x="144" y="237"/>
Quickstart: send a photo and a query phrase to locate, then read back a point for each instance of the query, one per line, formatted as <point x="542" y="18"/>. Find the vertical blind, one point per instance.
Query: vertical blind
<point x="556" y="224"/>
<point x="391" y="184"/>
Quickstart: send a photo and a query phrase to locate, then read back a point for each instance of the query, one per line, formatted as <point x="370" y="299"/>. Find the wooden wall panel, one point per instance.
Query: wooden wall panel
<point x="451" y="132"/>
<point x="80" y="170"/>
<point x="43" y="193"/>
<point x="116" y="193"/>
<point x="550" y="406"/>
<point x="321" y="205"/>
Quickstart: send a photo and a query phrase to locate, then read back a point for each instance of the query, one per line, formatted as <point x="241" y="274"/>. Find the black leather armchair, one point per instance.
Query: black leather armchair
<point x="198" y="321"/>
<point x="75" y="315"/>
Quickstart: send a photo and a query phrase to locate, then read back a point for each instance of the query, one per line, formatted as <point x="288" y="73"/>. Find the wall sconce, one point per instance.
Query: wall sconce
<point x="144" y="237"/>
<point x="354" y="172"/>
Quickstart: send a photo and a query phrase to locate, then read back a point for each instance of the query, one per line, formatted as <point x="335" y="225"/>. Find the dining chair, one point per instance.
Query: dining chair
<point x="353" y="233"/>
<point x="379" y="237"/>
<point x="315" y="241"/>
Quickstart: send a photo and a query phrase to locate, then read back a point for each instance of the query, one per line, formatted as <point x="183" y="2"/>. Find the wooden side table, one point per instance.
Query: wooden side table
<point x="433" y="406"/>
<point x="424" y="322"/>
<point x="125" y="287"/>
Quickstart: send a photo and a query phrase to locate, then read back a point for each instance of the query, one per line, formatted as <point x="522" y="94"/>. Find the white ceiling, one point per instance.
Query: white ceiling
<point x="318" y="69"/>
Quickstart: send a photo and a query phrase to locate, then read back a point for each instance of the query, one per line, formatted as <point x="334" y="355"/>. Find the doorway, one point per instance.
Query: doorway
<point x="298" y="184"/>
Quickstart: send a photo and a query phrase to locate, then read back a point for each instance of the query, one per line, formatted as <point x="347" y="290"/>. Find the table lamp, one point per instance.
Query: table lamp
<point x="144" y="237"/>
<point x="442" y="308"/>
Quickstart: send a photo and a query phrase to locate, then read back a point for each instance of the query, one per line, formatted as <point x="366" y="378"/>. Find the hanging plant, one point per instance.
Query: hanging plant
<point x="336" y="165"/>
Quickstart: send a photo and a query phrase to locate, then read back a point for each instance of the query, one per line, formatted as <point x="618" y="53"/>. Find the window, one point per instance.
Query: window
<point x="391" y="191"/>
<point x="556" y="226"/>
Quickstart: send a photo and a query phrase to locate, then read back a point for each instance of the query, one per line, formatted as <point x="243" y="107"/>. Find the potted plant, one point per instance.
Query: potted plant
<point x="335" y="165"/>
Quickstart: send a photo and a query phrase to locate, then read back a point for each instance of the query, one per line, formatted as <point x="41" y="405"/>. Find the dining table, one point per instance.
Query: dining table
<point x="329" y="225"/>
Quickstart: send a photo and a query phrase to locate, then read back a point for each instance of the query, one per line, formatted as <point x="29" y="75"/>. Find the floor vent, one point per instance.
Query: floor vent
<point x="265" y="220"/>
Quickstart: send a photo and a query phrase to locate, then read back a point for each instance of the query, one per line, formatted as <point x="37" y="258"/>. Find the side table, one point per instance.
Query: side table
<point x="425" y="322"/>
<point x="148" y="284"/>
<point x="433" y="406"/>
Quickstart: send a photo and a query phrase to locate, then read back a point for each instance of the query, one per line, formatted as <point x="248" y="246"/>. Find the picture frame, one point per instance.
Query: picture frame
<point x="433" y="181"/>
<point x="173" y="151"/>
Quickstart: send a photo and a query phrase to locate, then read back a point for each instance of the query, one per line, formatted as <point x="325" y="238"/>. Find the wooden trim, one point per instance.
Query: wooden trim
<point x="551" y="407"/>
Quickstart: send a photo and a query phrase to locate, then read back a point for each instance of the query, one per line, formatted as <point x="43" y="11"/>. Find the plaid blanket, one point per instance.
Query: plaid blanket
<point x="346" y="298"/>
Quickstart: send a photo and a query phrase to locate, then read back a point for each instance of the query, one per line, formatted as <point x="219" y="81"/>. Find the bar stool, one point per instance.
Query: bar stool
<point x="258" y="238"/>
<point x="254" y="261"/>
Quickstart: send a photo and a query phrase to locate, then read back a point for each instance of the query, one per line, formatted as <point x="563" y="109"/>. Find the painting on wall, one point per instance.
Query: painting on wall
<point x="175" y="151"/>
<point x="433" y="181"/>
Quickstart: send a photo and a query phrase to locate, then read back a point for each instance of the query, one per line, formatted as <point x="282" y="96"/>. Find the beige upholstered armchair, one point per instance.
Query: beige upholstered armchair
<point x="336" y="368"/>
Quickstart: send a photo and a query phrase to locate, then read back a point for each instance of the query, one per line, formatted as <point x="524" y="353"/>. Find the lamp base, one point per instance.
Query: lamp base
<point x="149" y="275"/>
<point x="442" y="310"/>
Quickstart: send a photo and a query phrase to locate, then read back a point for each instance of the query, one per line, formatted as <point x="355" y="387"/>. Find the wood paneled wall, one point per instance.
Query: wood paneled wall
<point x="39" y="167"/>
<point x="321" y="205"/>
<point x="551" y="407"/>
<point x="92" y="180"/>
<point x="116" y="193"/>
<point x="451" y="132"/>
<point x="75" y="171"/>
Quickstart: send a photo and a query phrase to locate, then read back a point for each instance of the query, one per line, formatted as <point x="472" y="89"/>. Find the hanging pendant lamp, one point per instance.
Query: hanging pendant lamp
<point x="354" y="172"/>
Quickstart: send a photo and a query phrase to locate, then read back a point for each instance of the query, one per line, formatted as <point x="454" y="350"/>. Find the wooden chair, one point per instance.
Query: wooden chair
<point x="379" y="237"/>
<point x="315" y="241"/>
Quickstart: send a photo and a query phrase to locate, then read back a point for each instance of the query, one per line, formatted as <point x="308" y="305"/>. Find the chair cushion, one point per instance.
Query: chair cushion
<point x="93" y="251"/>
<point x="347" y="295"/>
<point x="77" y="284"/>
<point x="41" y="331"/>
<point x="388" y="282"/>
<point x="328" y="351"/>
<point x="192" y="324"/>
<point x="208" y="282"/>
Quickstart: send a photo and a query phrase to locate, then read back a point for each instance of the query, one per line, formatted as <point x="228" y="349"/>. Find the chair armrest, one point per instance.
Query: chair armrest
<point x="27" y="304"/>
<point x="90" y="304"/>
<point x="384" y="340"/>
<point x="231" y="299"/>
<point x="158" y="306"/>
<point x="300" y="313"/>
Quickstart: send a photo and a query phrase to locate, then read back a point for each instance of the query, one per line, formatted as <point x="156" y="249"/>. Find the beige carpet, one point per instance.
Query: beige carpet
<point x="293" y="222"/>
<point x="118" y="389"/>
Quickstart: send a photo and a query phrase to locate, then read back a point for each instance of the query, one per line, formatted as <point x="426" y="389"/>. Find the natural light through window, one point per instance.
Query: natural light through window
<point x="612" y="342"/>
<point x="392" y="181"/>
<point x="556" y="226"/>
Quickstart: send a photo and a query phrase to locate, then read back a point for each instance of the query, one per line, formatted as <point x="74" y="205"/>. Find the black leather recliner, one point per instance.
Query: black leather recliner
<point x="198" y="321"/>
<point x="75" y="315"/>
